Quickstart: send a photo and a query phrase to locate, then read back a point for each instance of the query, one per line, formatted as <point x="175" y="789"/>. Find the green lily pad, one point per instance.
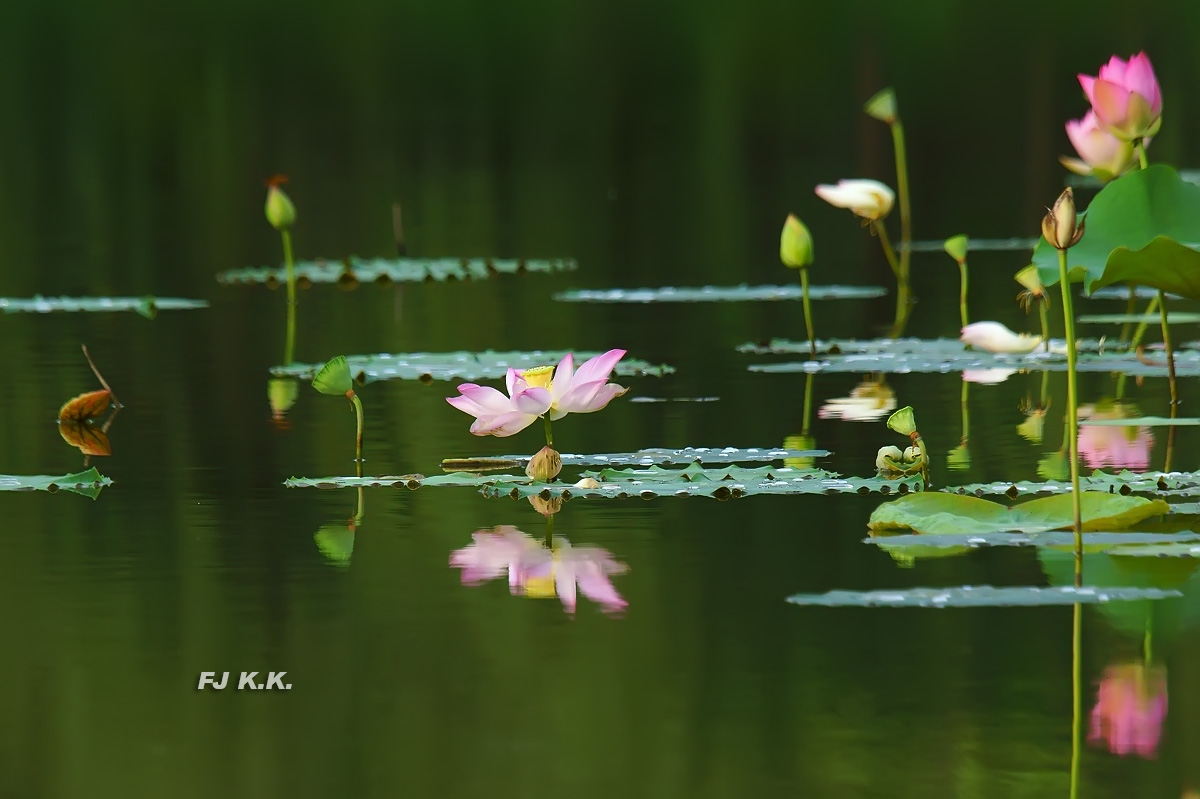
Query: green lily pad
<point x="673" y="399"/>
<point x="726" y="483"/>
<point x="643" y="457"/>
<point x="354" y="270"/>
<point x="487" y="365"/>
<point x="1124" y="482"/>
<point x="1138" y="229"/>
<point x="742" y="293"/>
<point x="145" y="306"/>
<point x="86" y="483"/>
<point x="1158" y="550"/>
<point x="980" y="596"/>
<point x="1173" y="318"/>
<point x="1141" y="421"/>
<point x="936" y="512"/>
<point x="1122" y="293"/>
<point x="1047" y="539"/>
<point x="977" y="245"/>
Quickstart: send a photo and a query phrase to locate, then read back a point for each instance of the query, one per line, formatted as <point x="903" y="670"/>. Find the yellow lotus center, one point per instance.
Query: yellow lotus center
<point x="540" y="587"/>
<point x="539" y="376"/>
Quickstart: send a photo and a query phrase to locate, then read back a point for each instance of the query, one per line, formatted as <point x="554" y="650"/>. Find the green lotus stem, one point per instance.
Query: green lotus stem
<point x="1130" y="307"/>
<point x="1140" y="149"/>
<point x="905" y="200"/>
<point x="1045" y="387"/>
<point x="1141" y="328"/>
<point x="1045" y="326"/>
<point x="291" y="293"/>
<point x="962" y="293"/>
<point x="1072" y="404"/>
<point x="1076" y="695"/>
<point x="901" y="278"/>
<point x="886" y="243"/>
<point x="808" y="321"/>
<point x="966" y="416"/>
<point x="357" y="403"/>
<point x="1166" y="331"/>
<point x="358" y="517"/>
<point x="1148" y="640"/>
<point x="550" y="531"/>
<point x="549" y="430"/>
<point x="808" y="384"/>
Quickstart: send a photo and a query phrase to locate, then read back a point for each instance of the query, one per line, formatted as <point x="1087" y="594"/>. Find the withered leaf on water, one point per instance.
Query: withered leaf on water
<point x="85" y="407"/>
<point x="89" y="438"/>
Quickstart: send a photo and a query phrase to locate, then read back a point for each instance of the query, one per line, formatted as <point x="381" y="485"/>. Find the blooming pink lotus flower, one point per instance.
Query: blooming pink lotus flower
<point x="534" y="392"/>
<point x="1131" y="706"/>
<point x="869" y="199"/>
<point x="1126" y="97"/>
<point x="585" y="568"/>
<point x="1125" y="447"/>
<point x="1103" y="154"/>
<point x="503" y="550"/>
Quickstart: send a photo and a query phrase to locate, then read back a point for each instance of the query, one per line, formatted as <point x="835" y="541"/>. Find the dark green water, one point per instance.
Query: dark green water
<point x="658" y="145"/>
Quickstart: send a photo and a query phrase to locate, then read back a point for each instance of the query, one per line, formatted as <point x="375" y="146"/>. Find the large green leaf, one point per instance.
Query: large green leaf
<point x="1125" y="482"/>
<point x="978" y="596"/>
<point x="1138" y="230"/>
<point x="935" y="512"/>
<point x="352" y="271"/>
<point x="486" y="365"/>
<point x="86" y="483"/>
<point x="1136" y="541"/>
<point x="742" y="293"/>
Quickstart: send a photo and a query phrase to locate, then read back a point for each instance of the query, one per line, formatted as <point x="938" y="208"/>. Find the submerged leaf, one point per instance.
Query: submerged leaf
<point x="935" y="512"/>
<point x="146" y="306"/>
<point x="969" y="596"/>
<point x="742" y="293"/>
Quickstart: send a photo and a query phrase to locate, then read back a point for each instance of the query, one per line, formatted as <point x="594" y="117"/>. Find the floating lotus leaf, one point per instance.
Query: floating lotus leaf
<point x="726" y="483"/>
<point x="1140" y="421"/>
<point x="145" y="306"/>
<point x="980" y="596"/>
<point x="87" y="483"/>
<point x="1173" y="318"/>
<point x="1141" y="229"/>
<point x="742" y="293"/>
<point x="354" y="270"/>
<point x="977" y="245"/>
<point x="674" y="399"/>
<point x="487" y="365"/>
<point x="1125" y="482"/>
<point x="936" y="512"/>
<point x="1122" y="293"/>
<point x="948" y="347"/>
<point x="1158" y="550"/>
<point x="1048" y="539"/>
<point x="643" y="457"/>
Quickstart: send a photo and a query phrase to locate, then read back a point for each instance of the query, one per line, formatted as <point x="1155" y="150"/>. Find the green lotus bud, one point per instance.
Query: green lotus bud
<point x="1059" y="226"/>
<point x="882" y="106"/>
<point x="956" y="247"/>
<point x="795" y="244"/>
<point x="903" y="421"/>
<point x="544" y="466"/>
<point x="280" y="211"/>
<point x="884" y="455"/>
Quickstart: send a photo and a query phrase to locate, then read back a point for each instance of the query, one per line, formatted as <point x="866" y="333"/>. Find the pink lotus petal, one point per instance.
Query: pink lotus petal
<point x="598" y="368"/>
<point x="596" y="586"/>
<point x="1110" y="101"/>
<point x="1087" y="81"/>
<point x="480" y="400"/>
<point x="587" y="397"/>
<point x="563" y="375"/>
<point x="564" y="586"/>
<point x="1139" y="77"/>
<point x="502" y="425"/>
<point x="534" y="401"/>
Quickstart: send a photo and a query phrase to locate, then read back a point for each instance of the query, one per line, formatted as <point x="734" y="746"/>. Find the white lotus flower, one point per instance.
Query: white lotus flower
<point x="869" y="199"/>
<point x="995" y="337"/>
<point x="988" y="377"/>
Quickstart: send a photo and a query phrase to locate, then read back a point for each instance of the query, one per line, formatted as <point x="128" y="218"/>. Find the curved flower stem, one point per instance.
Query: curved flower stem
<point x="549" y="430"/>
<point x="919" y="443"/>
<point x="808" y="321"/>
<point x="901" y="277"/>
<point x="1136" y="340"/>
<point x="905" y="200"/>
<point x="291" y="294"/>
<point x="357" y="403"/>
<point x="1076" y="694"/>
<point x="885" y="242"/>
<point x="1130" y="307"/>
<point x="962" y="292"/>
<point x="358" y="517"/>
<point x="1042" y="313"/>
<point x="1140" y="149"/>
<point x="1072" y="406"/>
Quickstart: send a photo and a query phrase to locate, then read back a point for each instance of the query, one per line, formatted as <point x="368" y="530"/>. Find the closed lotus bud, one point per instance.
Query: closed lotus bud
<point x="544" y="466"/>
<point x="795" y="244"/>
<point x="280" y="211"/>
<point x="1060" y="226"/>
<point x="956" y="247"/>
<point x="546" y="507"/>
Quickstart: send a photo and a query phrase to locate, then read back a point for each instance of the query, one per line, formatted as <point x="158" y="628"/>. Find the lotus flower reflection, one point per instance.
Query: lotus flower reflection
<point x="535" y="570"/>
<point x="1131" y="706"/>
<point x="1125" y="447"/>
<point x="534" y="392"/>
